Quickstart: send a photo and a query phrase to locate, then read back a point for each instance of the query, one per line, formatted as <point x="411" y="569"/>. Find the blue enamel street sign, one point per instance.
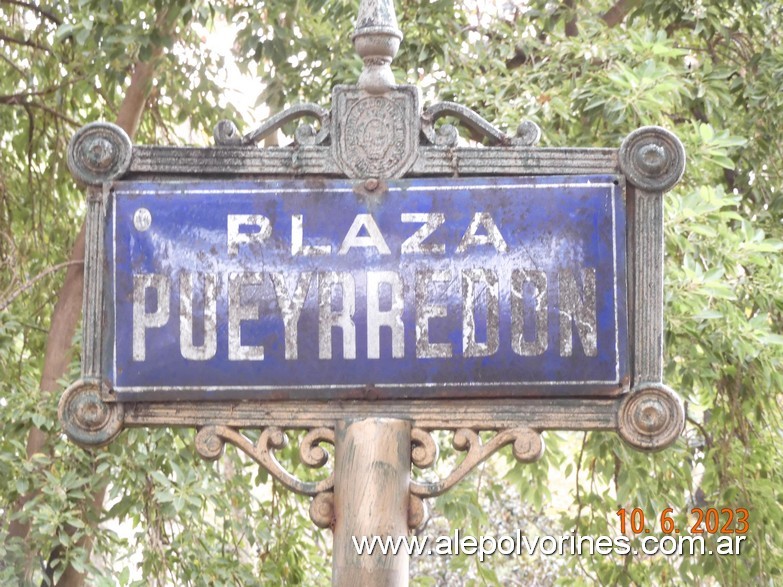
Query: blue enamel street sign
<point x="422" y="288"/>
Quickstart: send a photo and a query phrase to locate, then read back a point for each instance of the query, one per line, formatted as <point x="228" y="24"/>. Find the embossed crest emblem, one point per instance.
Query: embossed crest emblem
<point x="377" y="136"/>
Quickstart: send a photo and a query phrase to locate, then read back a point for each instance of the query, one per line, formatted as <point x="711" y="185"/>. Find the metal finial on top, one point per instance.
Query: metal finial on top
<point x="377" y="40"/>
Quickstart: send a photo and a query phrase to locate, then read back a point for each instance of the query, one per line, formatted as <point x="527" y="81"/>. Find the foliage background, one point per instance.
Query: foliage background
<point x="146" y="510"/>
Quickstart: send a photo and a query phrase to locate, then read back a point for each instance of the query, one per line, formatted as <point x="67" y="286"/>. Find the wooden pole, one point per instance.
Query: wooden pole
<point x="371" y="485"/>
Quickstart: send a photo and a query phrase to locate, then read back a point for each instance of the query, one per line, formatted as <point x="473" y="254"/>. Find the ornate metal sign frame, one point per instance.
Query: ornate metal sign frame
<point x="397" y="139"/>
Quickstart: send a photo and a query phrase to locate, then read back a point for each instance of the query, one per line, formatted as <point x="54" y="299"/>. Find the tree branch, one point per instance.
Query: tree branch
<point x="14" y="65"/>
<point x="571" y="28"/>
<point x="37" y="9"/>
<point x="9" y="300"/>
<point x="53" y="112"/>
<point x="617" y="13"/>
<point x="17" y="98"/>
<point x="24" y="42"/>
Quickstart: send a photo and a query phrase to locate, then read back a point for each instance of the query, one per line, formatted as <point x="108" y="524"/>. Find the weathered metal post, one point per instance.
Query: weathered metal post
<point x="372" y="456"/>
<point x="371" y="488"/>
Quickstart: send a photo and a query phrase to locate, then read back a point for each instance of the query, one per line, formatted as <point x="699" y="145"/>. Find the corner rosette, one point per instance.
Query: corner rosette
<point x="99" y="152"/>
<point x="651" y="417"/>
<point x="652" y="159"/>
<point x="86" y="418"/>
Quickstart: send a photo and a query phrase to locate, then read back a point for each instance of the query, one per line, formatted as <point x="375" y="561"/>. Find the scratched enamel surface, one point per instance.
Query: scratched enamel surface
<point x="426" y="288"/>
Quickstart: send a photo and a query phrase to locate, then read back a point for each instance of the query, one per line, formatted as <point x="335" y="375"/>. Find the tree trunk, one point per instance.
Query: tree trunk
<point x="67" y="310"/>
<point x="129" y="118"/>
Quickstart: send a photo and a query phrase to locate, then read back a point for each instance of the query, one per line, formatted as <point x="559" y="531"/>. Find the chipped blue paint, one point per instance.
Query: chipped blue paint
<point x="567" y="228"/>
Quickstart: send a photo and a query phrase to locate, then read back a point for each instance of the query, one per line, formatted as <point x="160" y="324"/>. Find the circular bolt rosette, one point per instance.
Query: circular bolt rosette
<point x="86" y="418"/>
<point x="99" y="152"/>
<point x="652" y="159"/>
<point x="651" y="417"/>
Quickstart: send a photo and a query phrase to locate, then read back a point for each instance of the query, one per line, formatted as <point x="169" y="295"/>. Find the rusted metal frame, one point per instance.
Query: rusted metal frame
<point x="540" y="414"/>
<point x="639" y="417"/>
<point x="478" y="126"/>
<point x="92" y="308"/>
<point x="653" y="161"/>
<point x="517" y="423"/>
<point x="528" y="447"/>
<point x="211" y="439"/>
<point x="226" y="133"/>
<point x="307" y="161"/>
<point x="639" y="424"/>
<point x="647" y="292"/>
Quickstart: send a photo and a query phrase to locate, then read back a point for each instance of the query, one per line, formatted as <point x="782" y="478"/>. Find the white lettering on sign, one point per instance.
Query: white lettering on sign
<point x="364" y="233"/>
<point x="573" y="309"/>
<point x="426" y="311"/>
<point x="262" y="230"/>
<point x="208" y="349"/>
<point x="143" y="320"/>
<point x="333" y="298"/>
<point x="334" y="304"/>
<point x="291" y="309"/>
<point x="239" y="311"/>
<point x="537" y="284"/>
<point x="391" y="318"/>
<point x="493" y="237"/>
<point x="297" y="240"/>
<point x="373" y="238"/>
<point x="328" y="318"/>
<point x="430" y="223"/>
<point x="487" y="280"/>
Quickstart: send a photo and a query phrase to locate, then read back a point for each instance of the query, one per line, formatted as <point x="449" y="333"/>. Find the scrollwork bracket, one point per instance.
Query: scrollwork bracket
<point x="210" y="441"/>
<point x="226" y="133"/>
<point x="528" y="447"/>
<point x="528" y="133"/>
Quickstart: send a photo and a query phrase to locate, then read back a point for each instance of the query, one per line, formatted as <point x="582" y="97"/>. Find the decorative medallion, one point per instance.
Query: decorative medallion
<point x="86" y="418"/>
<point x="652" y="159"/>
<point x="376" y="135"/>
<point x="651" y="417"/>
<point x="99" y="152"/>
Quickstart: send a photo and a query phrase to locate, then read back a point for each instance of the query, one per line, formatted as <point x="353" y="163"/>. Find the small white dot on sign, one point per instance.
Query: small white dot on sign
<point x="142" y="219"/>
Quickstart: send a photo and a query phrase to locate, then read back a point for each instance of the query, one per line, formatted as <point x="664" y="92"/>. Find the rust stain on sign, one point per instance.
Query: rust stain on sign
<point x="426" y="288"/>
